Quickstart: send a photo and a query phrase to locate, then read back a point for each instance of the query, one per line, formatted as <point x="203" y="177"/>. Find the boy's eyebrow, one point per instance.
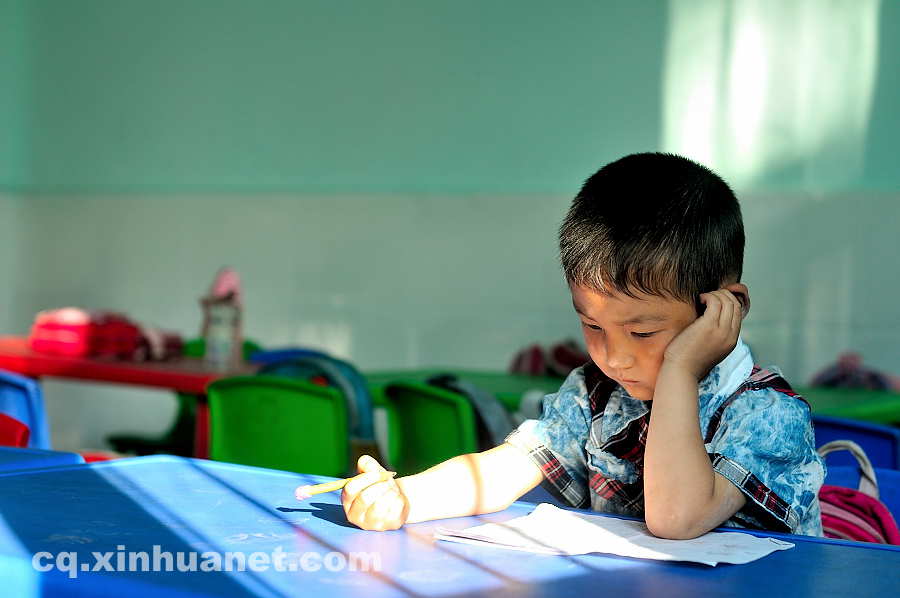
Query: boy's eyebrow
<point x="638" y="319"/>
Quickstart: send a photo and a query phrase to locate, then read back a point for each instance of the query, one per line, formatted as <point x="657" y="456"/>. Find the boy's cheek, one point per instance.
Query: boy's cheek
<point x="594" y="352"/>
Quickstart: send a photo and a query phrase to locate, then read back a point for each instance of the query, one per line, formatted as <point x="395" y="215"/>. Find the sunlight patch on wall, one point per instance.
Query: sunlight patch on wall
<point x="771" y="92"/>
<point x="827" y="310"/>
<point x="334" y="337"/>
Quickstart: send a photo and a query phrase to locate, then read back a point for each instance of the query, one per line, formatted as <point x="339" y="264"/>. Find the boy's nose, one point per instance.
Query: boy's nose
<point x="618" y="359"/>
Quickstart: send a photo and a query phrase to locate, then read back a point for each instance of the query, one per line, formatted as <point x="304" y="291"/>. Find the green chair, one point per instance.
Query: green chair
<point x="428" y="425"/>
<point x="279" y="423"/>
<point x="508" y="388"/>
<point x="179" y="439"/>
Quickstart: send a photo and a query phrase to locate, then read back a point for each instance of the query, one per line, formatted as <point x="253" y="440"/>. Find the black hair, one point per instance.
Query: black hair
<point x="653" y="223"/>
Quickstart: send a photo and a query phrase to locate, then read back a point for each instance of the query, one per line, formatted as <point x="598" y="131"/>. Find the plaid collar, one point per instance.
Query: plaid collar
<point x="617" y="409"/>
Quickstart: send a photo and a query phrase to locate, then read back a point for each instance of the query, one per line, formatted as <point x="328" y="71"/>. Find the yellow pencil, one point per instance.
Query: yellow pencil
<point x="304" y="492"/>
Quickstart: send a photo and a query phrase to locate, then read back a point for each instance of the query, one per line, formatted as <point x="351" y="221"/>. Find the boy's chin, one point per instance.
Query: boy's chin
<point x="639" y="392"/>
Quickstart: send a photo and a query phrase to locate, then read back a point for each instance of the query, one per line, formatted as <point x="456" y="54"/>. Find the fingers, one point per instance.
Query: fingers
<point x="366" y="464"/>
<point x="723" y="308"/>
<point x="366" y="499"/>
<point x="378" y="507"/>
<point x="363" y="480"/>
<point x="371" y="501"/>
<point x="371" y="473"/>
<point x="732" y="314"/>
<point x="738" y="317"/>
<point x="713" y="306"/>
<point x="385" y="513"/>
<point x="729" y="305"/>
<point x="724" y="313"/>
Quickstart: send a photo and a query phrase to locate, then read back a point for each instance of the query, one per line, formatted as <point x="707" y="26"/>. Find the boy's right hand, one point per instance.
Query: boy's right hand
<point x="371" y="502"/>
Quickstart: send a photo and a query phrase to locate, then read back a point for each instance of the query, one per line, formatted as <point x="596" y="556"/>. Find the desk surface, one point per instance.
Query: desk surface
<point x="16" y="459"/>
<point x="184" y="505"/>
<point x="187" y="374"/>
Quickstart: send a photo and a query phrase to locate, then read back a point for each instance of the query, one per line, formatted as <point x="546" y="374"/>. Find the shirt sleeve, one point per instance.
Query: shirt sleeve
<point x="765" y="446"/>
<point x="555" y="441"/>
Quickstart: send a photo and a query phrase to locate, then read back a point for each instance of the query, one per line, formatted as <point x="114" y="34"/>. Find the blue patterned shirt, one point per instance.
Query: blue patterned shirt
<point x="590" y="438"/>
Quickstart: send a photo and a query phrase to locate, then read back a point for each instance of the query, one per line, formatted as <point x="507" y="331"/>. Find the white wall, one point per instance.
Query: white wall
<point x="389" y="281"/>
<point x="824" y="279"/>
<point x="403" y="281"/>
<point x="9" y="226"/>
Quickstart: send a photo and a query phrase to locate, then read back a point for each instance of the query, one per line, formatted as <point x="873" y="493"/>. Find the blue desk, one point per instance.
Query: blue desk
<point x="184" y="505"/>
<point x="16" y="459"/>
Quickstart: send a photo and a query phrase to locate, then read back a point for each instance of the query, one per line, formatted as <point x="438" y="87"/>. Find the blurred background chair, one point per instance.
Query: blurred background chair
<point x="319" y="367"/>
<point x="429" y="425"/>
<point x="13" y="432"/>
<point x="881" y="443"/>
<point x="307" y="364"/>
<point x="179" y="438"/>
<point x="279" y="423"/>
<point x="21" y="399"/>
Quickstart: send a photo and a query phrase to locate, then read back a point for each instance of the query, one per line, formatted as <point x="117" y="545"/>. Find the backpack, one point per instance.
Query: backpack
<point x="493" y="421"/>
<point x="856" y="514"/>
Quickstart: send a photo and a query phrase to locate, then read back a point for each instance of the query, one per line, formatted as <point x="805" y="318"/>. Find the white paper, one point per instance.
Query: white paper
<point x="551" y="530"/>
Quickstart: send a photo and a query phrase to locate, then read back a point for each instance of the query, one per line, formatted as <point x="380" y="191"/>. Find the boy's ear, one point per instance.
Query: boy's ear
<point x="742" y="293"/>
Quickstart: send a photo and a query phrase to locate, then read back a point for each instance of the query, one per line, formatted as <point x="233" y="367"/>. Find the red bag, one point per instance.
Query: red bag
<point x="79" y="333"/>
<point x="856" y="514"/>
<point x="529" y="361"/>
<point x="558" y="361"/>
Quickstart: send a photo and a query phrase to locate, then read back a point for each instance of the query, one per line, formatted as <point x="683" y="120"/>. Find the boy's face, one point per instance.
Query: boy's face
<point x="627" y="337"/>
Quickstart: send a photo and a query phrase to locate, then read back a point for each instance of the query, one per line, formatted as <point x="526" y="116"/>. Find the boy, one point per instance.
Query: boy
<point x="652" y="250"/>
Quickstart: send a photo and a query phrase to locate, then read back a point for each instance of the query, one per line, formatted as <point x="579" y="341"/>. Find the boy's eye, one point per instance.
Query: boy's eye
<point x="591" y="326"/>
<point x="644" y="334"/>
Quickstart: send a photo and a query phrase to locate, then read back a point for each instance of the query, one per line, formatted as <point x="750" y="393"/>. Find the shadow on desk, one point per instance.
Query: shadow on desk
<point x="79" y="511"/>
<point x="324" y="511"/>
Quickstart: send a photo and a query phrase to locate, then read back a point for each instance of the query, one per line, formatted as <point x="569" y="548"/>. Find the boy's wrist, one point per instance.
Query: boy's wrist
<point x="673" y="368"/>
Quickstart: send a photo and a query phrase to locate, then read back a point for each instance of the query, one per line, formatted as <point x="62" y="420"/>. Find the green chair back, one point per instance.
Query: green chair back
<point x="279" y="423"/>
<point x="430" y="425"/>
<point x="187" y="403"/>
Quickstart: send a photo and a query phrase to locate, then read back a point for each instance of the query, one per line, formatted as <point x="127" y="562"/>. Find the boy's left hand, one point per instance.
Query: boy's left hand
<point x="709" y="338"/>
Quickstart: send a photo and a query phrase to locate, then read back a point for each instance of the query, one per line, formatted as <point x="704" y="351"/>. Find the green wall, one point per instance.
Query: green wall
<point x="882" y="167"/>
<point x="350" y="96"/>
<point x="393" y="96"/>
<point x="13" y="79"/>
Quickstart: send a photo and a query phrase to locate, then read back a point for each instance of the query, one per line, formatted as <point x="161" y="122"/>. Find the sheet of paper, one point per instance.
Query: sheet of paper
<point x="551" y="530"/>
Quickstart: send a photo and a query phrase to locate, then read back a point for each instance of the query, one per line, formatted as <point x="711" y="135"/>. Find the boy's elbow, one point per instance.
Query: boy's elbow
<point x="673" y="526"/>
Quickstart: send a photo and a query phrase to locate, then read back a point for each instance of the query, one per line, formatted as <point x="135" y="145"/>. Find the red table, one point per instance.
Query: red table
<point x="188" y="375"/>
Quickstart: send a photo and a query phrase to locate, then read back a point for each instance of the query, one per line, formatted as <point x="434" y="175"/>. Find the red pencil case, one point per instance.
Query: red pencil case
<point x="76" y="332"/>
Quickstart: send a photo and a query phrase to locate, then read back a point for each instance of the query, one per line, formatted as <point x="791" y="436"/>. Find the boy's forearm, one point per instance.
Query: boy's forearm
<point x="470" y="484"/>
<point x="679" y="482"/>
